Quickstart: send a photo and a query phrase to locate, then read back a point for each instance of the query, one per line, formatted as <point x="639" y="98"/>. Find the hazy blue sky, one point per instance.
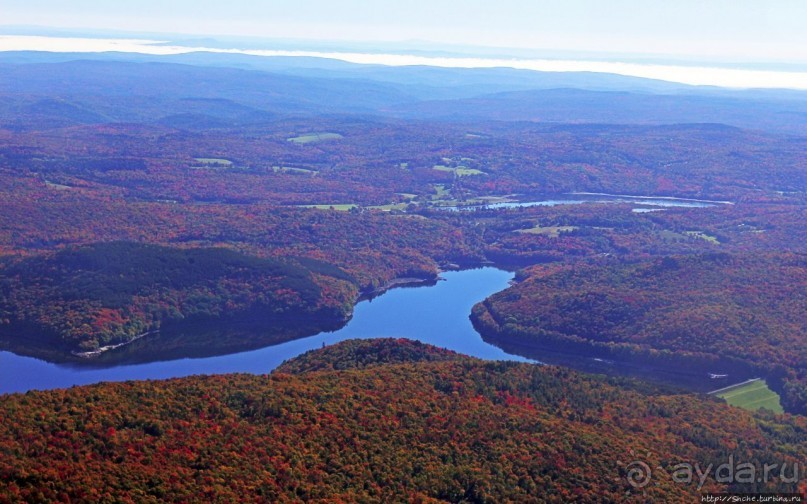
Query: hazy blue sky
<point x="744" y="30"/>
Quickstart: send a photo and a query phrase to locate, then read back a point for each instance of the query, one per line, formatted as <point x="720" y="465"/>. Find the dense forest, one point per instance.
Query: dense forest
<point x="375" y="421"/>
<point x="87" y="298"/>
<point x="710" y="312"/>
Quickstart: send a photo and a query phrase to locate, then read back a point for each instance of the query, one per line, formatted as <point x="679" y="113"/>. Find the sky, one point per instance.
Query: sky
<point x="768" y="34"/>
<point x="760" y="30"/>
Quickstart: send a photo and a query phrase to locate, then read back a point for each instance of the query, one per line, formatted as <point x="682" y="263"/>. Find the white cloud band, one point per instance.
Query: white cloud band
<point x="693" y="75"/>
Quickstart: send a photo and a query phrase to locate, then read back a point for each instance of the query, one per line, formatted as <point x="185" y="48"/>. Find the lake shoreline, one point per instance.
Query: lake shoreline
<point x="95" y="353"/>
<point x="687" y="373"/>
<point x="437" y="315"/>
<point x="398" y="282"/>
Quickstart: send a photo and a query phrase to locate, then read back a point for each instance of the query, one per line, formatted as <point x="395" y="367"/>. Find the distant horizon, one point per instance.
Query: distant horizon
<point x="695" y="73"/>
<point x="410" y="46"/>
<point x="717" y="30"/>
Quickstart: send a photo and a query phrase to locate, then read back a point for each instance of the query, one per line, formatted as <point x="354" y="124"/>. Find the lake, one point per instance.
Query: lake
<point x="437" y="315"/>
<point x="579" y="198"/>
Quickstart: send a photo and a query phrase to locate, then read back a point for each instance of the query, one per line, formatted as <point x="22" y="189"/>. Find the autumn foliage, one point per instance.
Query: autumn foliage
<point x="408" y="423"/>
<point x="708" y="312"/>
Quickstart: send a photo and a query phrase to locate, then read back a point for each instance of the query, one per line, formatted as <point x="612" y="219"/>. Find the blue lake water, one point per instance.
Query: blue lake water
<point x="579" y="198"/>
<point x="437" y="315"/>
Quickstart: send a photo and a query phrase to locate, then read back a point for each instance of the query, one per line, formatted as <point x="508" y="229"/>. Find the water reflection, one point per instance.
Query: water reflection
<point x="437" y="315"/>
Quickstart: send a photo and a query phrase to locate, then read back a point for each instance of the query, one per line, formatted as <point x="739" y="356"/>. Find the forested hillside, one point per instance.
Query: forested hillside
<point x="718" y="312"/>
<point x="86" y="298"/>
<point x="380" y="421"/>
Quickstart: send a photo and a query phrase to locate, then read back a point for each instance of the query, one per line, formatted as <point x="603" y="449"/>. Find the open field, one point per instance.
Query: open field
<point x="752" y="396"/>
<point x="344" y="207"/>
<point x="703" y="236"/>
<point x="291" y="169"/>
<point x="441" y="192"/>
<point x="671" y="236"/>
<point x="213" y="163"/>
<point x="391" y="206"/>
<point x="550" y="231"/>
<point x="59" y="187"/>
<point x="461" y="171"/>
<point x="314" y="137"/>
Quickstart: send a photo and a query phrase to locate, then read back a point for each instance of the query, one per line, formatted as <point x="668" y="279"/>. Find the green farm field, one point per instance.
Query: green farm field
<point x="461" y="171"/>
<point x="752" y="396"/>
